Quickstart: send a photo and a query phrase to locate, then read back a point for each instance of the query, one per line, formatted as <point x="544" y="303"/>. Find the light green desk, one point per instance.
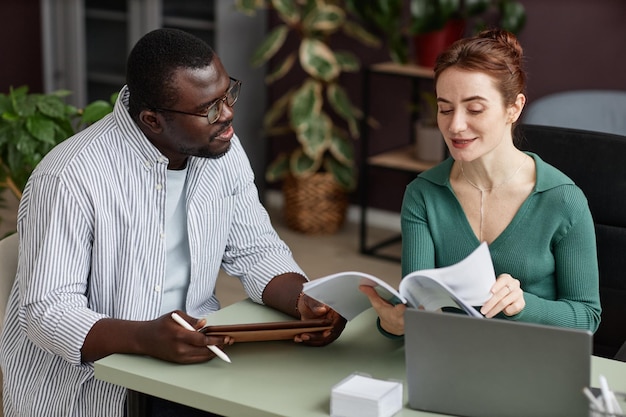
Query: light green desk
<point x="281" y="378"/>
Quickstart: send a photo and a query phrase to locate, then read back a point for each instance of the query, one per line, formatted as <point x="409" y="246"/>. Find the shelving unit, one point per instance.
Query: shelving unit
<point x="113" y="27"/>
<point x="399" y="158"/>
<point x="86" y="42"/>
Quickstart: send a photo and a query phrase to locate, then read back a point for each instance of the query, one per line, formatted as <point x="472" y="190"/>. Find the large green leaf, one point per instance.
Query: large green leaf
<point x="24" y="143"/>
<point x="278" y="168"/>
<point x="51" y="106"/>
<point x="96" y="111"/>
<point x="324" y="18"/>
<point x="314" y="135"/>
<point x="17" y="97"/>
<point x="272" y="43"/>
<point x="344" y="175"/>
<point x="5" y="103"/>
<point x="6" y="133"/>
<point x="347" y="61"/>
<point x="306" y="102"/>
<point x="277" y="110"/>
<point x="341" y="148"/>
<point x="24" y="105"/>
<point x="41" y="128"/>
<point x="282" y="69"/>
<point x="302" y="166"/>
<point x="356" y="31"/>
<point x="340" y="102"/>
<point x="288" y="11"/>
<point x="318" y="60"/>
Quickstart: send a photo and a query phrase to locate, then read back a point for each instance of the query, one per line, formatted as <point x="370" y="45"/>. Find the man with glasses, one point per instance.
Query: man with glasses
<point x="131" y="220"/>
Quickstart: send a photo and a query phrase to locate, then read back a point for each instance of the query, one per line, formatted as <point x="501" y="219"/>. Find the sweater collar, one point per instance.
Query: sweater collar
<point x="548" y="177"/>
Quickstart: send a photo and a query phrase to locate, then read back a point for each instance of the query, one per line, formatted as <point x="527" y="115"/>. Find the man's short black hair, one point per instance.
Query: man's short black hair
<point x="153" y="61"/>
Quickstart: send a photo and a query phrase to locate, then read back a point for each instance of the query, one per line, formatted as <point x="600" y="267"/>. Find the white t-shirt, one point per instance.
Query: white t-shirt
<point x="177" y="259"/>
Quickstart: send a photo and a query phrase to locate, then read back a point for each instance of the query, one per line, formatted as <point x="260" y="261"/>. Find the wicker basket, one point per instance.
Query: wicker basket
<point x="315" y="205"/>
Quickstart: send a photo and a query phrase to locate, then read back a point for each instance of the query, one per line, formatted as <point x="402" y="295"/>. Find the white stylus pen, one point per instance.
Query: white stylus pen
<point x="606" y="395"/>
<point x="178" y="319"/>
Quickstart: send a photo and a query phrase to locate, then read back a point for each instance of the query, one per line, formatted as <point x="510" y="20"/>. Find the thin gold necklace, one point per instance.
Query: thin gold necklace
<point x="482" y="191"/>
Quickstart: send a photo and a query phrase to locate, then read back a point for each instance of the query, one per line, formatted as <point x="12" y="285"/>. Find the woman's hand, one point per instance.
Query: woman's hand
<point x="391" y="316"/>
<point x="507" y="296"/>
<point x="313" y="309"/>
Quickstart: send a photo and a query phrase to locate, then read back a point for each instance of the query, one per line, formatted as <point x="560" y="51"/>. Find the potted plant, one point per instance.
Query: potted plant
<point x="320" y="170"/>
<point x="436" y="24"/>
<point x="433" y="25"/>
<point x="429" y="143"/>
<point x="31" y="125"/>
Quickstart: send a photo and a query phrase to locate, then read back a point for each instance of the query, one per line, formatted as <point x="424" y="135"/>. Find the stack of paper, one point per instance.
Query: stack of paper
<point x="363" y="396"/>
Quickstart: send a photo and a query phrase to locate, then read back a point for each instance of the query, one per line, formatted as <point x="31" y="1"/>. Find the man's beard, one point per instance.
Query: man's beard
<point x="207" y="153"/>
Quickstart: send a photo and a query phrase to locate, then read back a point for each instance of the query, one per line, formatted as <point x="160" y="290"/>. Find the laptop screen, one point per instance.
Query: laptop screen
<point x="474" y="367"/>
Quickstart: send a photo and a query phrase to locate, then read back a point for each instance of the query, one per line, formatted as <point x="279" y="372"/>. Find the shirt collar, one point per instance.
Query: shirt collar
<point x="146" y="152"/>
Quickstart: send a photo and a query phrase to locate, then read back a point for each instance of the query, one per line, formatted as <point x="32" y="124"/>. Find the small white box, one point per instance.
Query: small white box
<point x="360" y="395"/>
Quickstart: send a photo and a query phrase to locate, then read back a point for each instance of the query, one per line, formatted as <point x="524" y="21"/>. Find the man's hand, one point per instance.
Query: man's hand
<point x="161" y="338"/>
<point x="312" y="309"/>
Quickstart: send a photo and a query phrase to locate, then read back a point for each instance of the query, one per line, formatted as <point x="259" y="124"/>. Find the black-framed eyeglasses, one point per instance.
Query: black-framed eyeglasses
<point x="214" y="111"/>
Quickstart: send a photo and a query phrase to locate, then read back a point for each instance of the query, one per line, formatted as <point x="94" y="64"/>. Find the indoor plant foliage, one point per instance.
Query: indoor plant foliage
<point x="386" y="17"/>
<point x="399" y="20"/>
<point x="32" y="124"/>
<point x="324" y="145"/>
<point x="437" y="24"/>
<point x="433" y="15"/>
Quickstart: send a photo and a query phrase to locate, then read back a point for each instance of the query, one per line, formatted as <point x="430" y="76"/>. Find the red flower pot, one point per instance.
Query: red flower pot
<point x="429" y="45"/>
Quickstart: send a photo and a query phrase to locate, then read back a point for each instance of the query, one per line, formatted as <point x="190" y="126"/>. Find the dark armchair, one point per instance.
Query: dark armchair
<point x="596" y="162"/>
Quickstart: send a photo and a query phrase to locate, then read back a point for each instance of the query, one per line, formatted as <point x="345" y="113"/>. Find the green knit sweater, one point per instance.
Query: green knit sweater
<point x="549" y="245"/>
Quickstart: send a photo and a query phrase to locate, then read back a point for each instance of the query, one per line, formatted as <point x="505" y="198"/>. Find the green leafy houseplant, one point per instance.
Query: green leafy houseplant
<point x="436" y="24"/>
<point x="32" y="124"/>
<point x="385" y="17"/>
<point x="431" y="16"/>
<point x="324" y="139"/>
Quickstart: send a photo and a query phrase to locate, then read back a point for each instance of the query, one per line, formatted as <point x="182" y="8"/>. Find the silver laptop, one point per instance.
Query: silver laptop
<point x="476" y="367"/>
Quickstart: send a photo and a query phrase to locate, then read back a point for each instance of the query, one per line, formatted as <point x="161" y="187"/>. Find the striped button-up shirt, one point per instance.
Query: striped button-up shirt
<point x="91" y="224"/>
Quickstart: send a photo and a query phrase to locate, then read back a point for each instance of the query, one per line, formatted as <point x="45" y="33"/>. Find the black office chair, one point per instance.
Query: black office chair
<point x="596" y="162"/>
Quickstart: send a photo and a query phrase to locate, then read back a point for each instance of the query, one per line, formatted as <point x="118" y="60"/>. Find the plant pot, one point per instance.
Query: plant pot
<point x="429" y="45"/>
<point x="314" y="205"/>
<point x="429" y="144"/>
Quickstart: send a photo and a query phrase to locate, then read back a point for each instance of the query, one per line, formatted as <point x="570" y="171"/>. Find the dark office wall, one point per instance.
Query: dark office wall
<point x="20" y="48"/>
<point x="574" y="44"/>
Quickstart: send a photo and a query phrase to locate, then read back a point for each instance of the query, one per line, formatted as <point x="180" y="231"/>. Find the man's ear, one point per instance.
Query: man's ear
<point x="150" y="120"/>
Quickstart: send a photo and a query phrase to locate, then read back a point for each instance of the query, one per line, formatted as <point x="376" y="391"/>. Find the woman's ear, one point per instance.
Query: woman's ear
<point x="516" y="108"/>
<point x="150" y="120"/>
